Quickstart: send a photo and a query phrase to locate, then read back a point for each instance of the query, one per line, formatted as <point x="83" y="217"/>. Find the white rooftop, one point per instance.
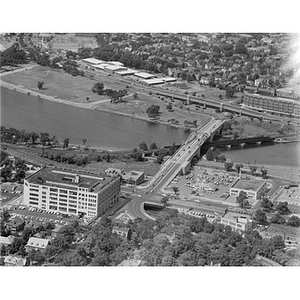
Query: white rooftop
<point x="114" y="68"/>
<point x="116" y="63"/>
<point x="144" y="75"/>
<point x="37" y="243"/>
<point x="93" y="61"/>
<point x="154" y="81"/>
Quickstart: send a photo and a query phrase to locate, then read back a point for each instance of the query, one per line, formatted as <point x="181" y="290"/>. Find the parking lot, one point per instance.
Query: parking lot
<point x="9" y="191"/>
<point x="33" y="214"/>
<point x="290" y="195"/>
<point x="203" y="183"/>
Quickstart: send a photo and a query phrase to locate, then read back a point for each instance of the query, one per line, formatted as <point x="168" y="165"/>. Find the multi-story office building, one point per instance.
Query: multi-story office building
<point x="253" y="188"/>
<point x="71" y="192"/>
<point x="271" y="104"/>
<point x="236" y="221"/>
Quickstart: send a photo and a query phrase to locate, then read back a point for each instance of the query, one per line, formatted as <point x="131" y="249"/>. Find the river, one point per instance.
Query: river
<point x="111" y="131"/>
<point x="102" y="130"/>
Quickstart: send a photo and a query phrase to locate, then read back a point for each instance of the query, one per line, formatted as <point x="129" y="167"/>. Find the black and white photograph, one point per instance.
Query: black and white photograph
<point x="149" y="148"/>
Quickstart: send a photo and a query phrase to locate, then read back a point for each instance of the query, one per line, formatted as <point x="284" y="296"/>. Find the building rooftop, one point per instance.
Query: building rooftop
<point x="93" y="61"/>
<point x="154" y="81"/>
<point x="133" y="174"/>
<point x="37" y="243"/>
<point x="249" y="185"/>
<point x="114" y="67"/>
<point x="144" y="75"/>
<point x="6" y="240"/>
<point x="69" y="179"/>
<point x="283" y="229"/>
<point x="15" y="260"/>
<point x="236" y="217"/>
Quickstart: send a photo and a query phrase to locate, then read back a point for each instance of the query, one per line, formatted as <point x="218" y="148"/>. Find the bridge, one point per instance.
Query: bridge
<point x="181" y="160"/>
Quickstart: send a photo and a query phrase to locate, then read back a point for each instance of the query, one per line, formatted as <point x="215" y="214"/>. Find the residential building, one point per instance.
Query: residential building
<point x="134" y="177"/>
<point x="14" y="261"/>
<point x="253" y="188"/>
<point x="16" y="225"/>
<point x="72" y="192"/>
<point x="35" y="243"/>
<point x="6" y="241"/>
<point x="122" y="231"/>
<point x="237" y="221"/>
<point x="290" y="235"/>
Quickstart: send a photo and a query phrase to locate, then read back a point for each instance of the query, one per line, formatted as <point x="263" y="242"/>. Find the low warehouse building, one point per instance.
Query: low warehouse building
<point x="92" y="61"/>
<point x="112" y="69"/>
<point x="168" y="79"/>
<point x="153" y="81"/>
<point x="126" y="72"/>
<point x="143" y="75"/>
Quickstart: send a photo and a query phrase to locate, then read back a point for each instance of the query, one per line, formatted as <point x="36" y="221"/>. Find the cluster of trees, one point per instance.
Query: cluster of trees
<point x="190" y="123"/>
<point x="15" y="136"/>
<point x="13" y="56"/>
<point x="8" y="167"/>
<point x="71" y="67"/>
<point x="153" y="111"/>
<point x="241" y="199"/>
<point x="215" y="154"/>
<point x="171" y="240"/>
<point x="115" y="95"/>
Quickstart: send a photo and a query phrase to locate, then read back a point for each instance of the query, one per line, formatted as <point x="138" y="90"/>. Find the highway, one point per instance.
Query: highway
<point x="160" y="90"/>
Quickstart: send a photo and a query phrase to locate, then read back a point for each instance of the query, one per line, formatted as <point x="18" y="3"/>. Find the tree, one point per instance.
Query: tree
<point x="228" y="165"/>
<point x="238" y="167"/>
<point x="34" y="136"/>
<point x="84" y="140"/>
<point x="153" y="146"/>
<point x="282" y="208"/>
<point x="277" y="219"/>
<point x="153" y="111"/>
<point x="210" y="154"/>
<point x="293" y="221"/>
<point x="266" y="204"/>
<point x="40" y="85"/>
<point x="6" y="173"/>
<point x="164" y="200"/>
<point x="260" y="217"/>
<point x="66" y="143"/>
<point x="143" y="146"/>
<point x="253" y="170"/>
<point x="241" y="199"/>
<point x="264" y="172"/>
<point x="175" y="189"/>
<point x="135" y="96"/>
<point x="98" y="88"/>
<point x="169" y="107"/>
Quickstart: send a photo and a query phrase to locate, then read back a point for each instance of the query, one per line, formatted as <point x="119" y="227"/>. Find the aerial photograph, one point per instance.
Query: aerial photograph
<point x="150" y="149"/>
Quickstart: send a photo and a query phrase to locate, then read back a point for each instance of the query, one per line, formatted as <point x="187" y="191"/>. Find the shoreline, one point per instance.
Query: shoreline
<point x="91" y="105"/>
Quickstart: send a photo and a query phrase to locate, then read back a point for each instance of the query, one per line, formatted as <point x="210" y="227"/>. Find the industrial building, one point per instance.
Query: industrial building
<point x="71" y="192"/>
<point x="93" y="61"/>
<point x="112" y="68"/>
<point x="126" y="72"/>
<point x="168" y="79"/>
<point x="253" y="188"/>
<point x="143" y="75"/>
<point x="153" y="81"/>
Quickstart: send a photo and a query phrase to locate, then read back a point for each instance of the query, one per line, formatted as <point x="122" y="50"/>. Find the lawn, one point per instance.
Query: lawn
<point x="56" y="83"/>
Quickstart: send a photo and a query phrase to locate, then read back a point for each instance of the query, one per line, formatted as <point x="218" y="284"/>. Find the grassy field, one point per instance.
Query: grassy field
<point x="58" y="83"/>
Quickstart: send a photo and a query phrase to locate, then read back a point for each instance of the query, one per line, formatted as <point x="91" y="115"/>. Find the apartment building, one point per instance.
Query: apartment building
<point x="71" y="192"/>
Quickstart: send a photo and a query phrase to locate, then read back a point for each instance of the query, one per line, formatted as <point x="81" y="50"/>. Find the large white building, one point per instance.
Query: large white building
<point x="253" y="188"/>
<point x="71" y="192"/>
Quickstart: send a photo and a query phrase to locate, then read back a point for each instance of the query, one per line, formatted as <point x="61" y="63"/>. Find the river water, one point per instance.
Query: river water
<point x="110" y="131"/>
<point x="101" y="129"/>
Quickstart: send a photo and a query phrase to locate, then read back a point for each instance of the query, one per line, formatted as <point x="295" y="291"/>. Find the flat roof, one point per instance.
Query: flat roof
<point x="100" y="66"/>
<point x="233" y="216"/>
<point x="154" y="81"/>
<point x="114" y="68"/>
<point x="249" y="185"/>
<point x="126" y="72"/>
<point x="116" y="63"/>
<point x="133" y="174"/>
<point x="287" y="230"/>
<point x="144" y="75"/>
<point x="93" y="61"/>
<point x="56" y="177"/>
<point x="168" y="79"/>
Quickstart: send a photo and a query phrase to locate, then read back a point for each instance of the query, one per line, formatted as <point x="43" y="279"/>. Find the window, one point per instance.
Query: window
<point x="53" y="190"/>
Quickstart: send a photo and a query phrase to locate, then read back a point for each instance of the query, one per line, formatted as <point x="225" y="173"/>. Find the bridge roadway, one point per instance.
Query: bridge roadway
<point x="182" y="156"/>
